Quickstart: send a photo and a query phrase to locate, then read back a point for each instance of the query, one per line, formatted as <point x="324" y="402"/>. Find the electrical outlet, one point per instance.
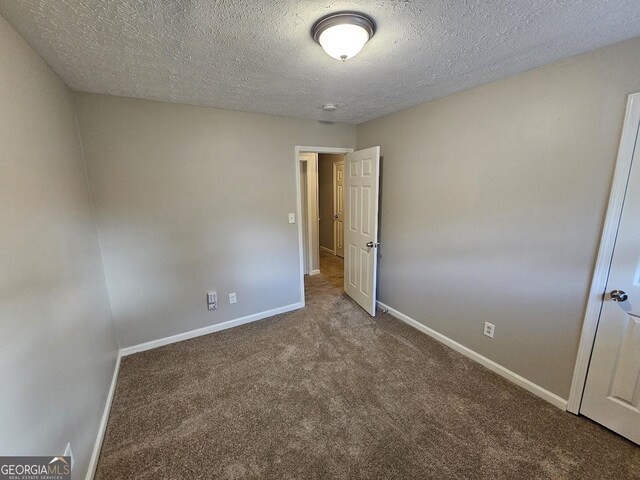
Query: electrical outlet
<point x="292" y="218"/>
<point x="489" y="329"/>
<point x="69" y="453"/>
<point x="212" y="300"/>
<point x="232" y="297"/>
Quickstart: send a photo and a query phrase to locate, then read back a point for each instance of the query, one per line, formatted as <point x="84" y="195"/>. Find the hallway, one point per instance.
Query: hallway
<point x="331" y="268"/>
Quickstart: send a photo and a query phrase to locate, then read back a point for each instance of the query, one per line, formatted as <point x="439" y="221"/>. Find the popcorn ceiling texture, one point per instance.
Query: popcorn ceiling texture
<point x="258" y="56"/>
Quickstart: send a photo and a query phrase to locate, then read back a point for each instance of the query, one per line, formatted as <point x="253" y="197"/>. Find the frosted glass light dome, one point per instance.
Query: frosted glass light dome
<point x="343" y="41"/>
<point x="343" y="35"/>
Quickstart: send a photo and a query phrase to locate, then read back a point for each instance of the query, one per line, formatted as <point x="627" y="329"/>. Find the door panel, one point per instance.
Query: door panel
<point x="365" y="228"/>
<point x="365" y="287"/>
<point x="354" y="201"/>
<point x="626" y="373"/>
<point x="612" y="390"/>
<point x="361" y="206"/>
<point x="351" y="262"/>
<point x="338" y="205"/>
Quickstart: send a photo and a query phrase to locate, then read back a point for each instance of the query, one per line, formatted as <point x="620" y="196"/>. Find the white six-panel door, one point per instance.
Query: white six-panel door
<point x="361" y="232"/>
<point x="338" y="208"/>
<point x="612" y="391"/>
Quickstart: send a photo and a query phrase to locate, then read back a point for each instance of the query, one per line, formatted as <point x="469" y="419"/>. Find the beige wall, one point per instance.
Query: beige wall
<point x="492" y="205"/>
<point x="57" y="342"/>
<point x="325" y="195"/>
<point x="192" y="199"/>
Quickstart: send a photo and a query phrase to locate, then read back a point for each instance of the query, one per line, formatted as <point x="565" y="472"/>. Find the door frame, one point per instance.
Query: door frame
<point x="296" y="155"/>
<point x="630" y="132"/>
<point x="309" y="217"/>
<point x="304" y="213"/>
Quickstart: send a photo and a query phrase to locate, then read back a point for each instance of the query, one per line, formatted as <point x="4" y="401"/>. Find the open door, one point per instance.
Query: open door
<point x="361" y="232"/>
<point x="612" y="391"/>
<point x="338" y="208"/>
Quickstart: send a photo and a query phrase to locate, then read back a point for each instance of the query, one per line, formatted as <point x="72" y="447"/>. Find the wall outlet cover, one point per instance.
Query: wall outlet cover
<point x="232" y="297"/>
<point x="489" y="329"/>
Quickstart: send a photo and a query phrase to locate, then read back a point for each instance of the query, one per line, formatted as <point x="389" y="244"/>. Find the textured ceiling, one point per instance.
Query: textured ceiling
<point x="258" y="55"/>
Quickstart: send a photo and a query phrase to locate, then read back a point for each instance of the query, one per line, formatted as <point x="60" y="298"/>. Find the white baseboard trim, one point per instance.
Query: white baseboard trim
<point x="314" y="272"/>
<point x="207" y="330"/>
<point x="123" y="352"/>
<point x="95" y="455"/>
<point x="327" y="250"/>
<point x="482" y="360"/>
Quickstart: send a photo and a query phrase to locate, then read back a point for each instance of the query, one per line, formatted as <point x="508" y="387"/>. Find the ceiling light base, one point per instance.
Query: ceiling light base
<point x="340" y="18"/>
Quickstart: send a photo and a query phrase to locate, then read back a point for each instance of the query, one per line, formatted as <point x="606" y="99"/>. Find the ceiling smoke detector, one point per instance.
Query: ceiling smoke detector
<point x="329" y="107"/>
<point x="342" y="35"/>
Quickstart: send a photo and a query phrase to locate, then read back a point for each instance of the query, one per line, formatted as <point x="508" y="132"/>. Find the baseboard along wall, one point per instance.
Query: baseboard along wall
<point x="209" y="329"/>
<point x="102" y="429"/>
<point x="482" y="360"/>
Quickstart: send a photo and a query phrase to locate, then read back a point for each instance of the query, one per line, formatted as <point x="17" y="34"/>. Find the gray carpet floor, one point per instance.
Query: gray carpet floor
<point x="328" y="392"/>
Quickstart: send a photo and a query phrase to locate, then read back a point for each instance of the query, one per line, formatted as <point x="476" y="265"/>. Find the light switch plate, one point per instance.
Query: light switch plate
<point x="212" y="300"/>
<point x="292" y="218"/>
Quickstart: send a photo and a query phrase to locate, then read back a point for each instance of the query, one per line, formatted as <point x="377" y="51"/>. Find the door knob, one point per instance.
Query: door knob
<point x="618" y="296"/>
<point x="372" y="245"/>
<point x="335" y="216"/>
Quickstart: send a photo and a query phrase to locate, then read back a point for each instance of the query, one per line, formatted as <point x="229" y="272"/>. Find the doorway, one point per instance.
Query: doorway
<point x="331" y="203"/>
<point x="322" y="207"/>
<point x="315" y="219"/>
<point x="353" y="196"/>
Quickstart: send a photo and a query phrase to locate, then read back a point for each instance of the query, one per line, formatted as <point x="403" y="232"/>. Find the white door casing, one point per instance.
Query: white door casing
<point x="612" y="390"/>
<point x="312" y="213"/>
<point x="298" y="149"/>
<point x="361" y="233"/>
<point x="303" y="215"/>
<point x="338" y="208"/>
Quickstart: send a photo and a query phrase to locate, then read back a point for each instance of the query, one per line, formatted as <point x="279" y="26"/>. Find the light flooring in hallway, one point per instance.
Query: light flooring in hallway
<point x="327" y="392"/>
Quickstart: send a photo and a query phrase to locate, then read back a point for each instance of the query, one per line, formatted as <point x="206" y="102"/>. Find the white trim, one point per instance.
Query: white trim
<point x="95" y="455"/>
<point x="300" y="226"/>
<point x="302" y="185"/>
<point x="328" y="250"/>
<point x="296" y="158"/>
<point x="482" y="360"/>
<point x="302" y="148"/>
<point x="207" y="330"/>
<point x="605" y="253"/>
<point x="314" y="272"/>
<point x="310" y="219"/>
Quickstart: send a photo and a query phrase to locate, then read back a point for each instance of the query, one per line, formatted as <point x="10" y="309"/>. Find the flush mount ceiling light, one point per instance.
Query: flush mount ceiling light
<point x="342" y="35"/>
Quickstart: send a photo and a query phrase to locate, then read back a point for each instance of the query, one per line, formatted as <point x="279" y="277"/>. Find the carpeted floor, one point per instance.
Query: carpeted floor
<point x="329" y="392"/>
